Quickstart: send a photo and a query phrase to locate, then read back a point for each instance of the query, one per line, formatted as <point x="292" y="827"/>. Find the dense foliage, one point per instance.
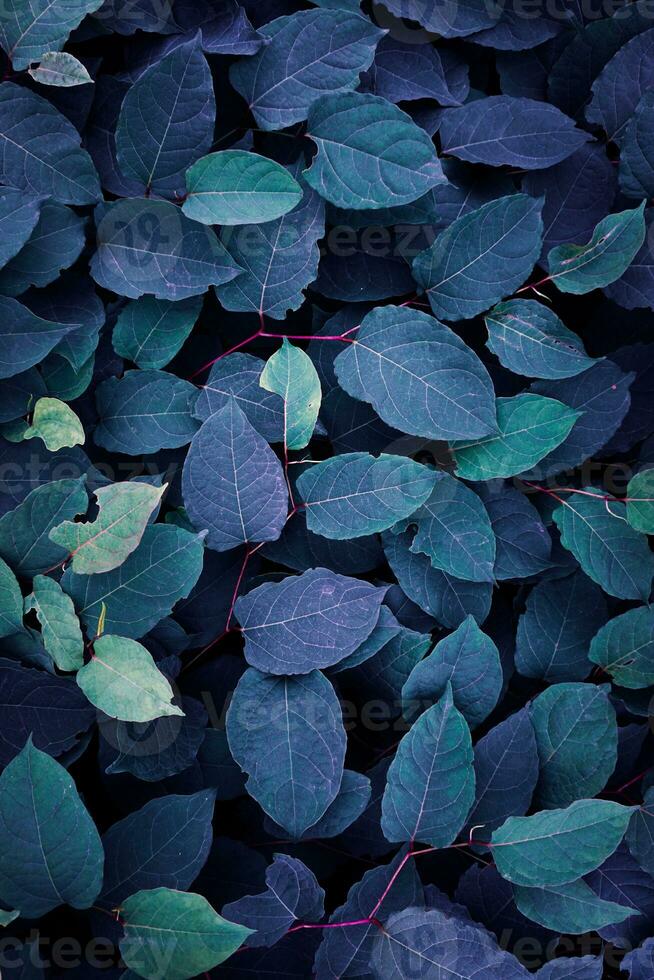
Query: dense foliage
<point x="326" y="409"/>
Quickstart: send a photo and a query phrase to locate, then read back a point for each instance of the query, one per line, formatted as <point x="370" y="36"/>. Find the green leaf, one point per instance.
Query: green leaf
<point x="530" y="427"/>
<point x="150" y="331"/>
<point x="61" y="69"/>
<point x="572" y="908"/>
<point x="555" y="847"/>
<point x="172" y="935"/>
<point x="610" y="552"/>
<point x="123" y="681"/>
<point x="640" y="501"/>
<point x="56" y="423"/>
<point x="354" y="494"/>
<point x="60" y="627"/>
<point x="30" y="28"/>
<point x="234" y="187"/>
<point x="105" y="543"/>
<point x="430" y="786"/>
<point x="290" y="373"/>
<point x="614" y="243"/>
<point x="59" y="859"/>
<point x="11" y="602"/>
<point x="624" y="648"/>
<point x="577" y="739"/>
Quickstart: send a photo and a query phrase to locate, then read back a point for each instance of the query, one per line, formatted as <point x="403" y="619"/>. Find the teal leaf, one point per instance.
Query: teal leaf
<point x="26" y="338"/>
<point x="123" y="681"/>
<point x="60" y="629"/>
<point x="555" y="847"/>
<point x="148" y="246"/>
<point x="11" y="602"/>
<point x="571" y="908"/>
<point x="613" y="244"/>
<point x="311" y="620"/>
<point x="41" y="150"/>
<point x="104" y="543"/>
<point x="454" y="531"/>
<point x="178" y="928"/>
<point x="167" y="120"/>
<point x="19" y="215"/>
<point x="60" y="858"/>
<point x="234" y="187"/>
<point x="232" y="483"/>
<point x="610" y="552"/>
<point x="60" y="69"/>
<point x="640" y="501"/>
<point x="481" y="257"/>
<point x="151" y="331"/>
<point x="29" y="30"/>
<point x="530" y="339"/>
<point x="467" y="660"/>
<point x="290" y="373"/>
<point x="145" y="411"/>
<point x="577" y="739"/>
<point x="430" y="786"/>
<point x="418" y="376"/>
<point x="530" y="427"/>
<point x="25" y="531"/>
<point x="306" y="55"/>
<point x="624" y="648"/>
<point x="287" y="734"/>
<point x="370" y="153"/>
<point x="162" y="570"/>
<point x="354" y="494"/>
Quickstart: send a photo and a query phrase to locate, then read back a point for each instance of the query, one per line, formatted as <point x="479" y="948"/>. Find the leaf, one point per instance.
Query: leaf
<point x="60" y="628"/>
<point x="447" y="21"/>
<point x="234" y="187"/>
<point x="430" y="786"/>
<point x="500" y="130"/>
<point x="121" y="679"/>
<point x="19" y="214"/>
<point x="555" y="847"/>
<point x="403" y="72"/>
<point x="151" y="331"/>
<point x="468" y="661"/>
<point x="104" y="544"/>
<point x="454" y="531"/>
<point x="178" y="928"/>
<point x="624" y="648"/>
<point x="640" y="509"/>
<point x="530" y="427"/>
<point x="26" y="338"/>
<point x="522" y="544"/>
<point x="37" y="704"/>
<point x="56" y="424"/>
<point x="418" y="376"/>
<point x="555" y="630"/>
<point x="570" y="720"/>
<point x="355" y="494"/>
<point x="163" y="844"/>
<point x="620" y="83"/>
<point x="41" y="150"/>
<point x="571" y="908"/>
<point x="306" y="55"/>
<point x="528" y="338"/>
<point x="573" y="968"/>
<point x="145" y="411"/>
<point x="292" y="894"/>
<point x="639" y="961"/>
<point x="621" y="879"/>
<point x="11" y="602"/>
<point x="636" y="173"/>
<point x="29" y="30"/>
<point x="311" y="620"/>
<point x="160" y="571"/>
<point x="24" y="531"/>
<point x="370" y="153"/>
<point x="614" y="243"/>
<point x="232" y="483"/>
<point x="279" y="258"/>
<point x="287" y="734"/>
<point x="61" y="69"/>
<point x="290" y="373"/>
<point x="237" y="376"/>
<point x="60" y="858"/>
<point x="150" y="247"/>
<point x="167" y="119"/>
<point x="481" y="257"/>
<point x="607" y="548"/>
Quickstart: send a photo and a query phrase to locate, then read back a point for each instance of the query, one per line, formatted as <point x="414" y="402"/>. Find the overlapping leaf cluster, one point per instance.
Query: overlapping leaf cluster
<point x="326" y="416"/>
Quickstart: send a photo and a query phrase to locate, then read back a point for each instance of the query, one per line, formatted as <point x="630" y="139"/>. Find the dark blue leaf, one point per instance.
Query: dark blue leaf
<point x="620" y="879"/>
<point x="523" y="545"/>
<point x="402" y="72"/>
<point x="237" y="376"/>
<point x="618" y="88"/>
<point x="19" y="214"/>
<point x="54" y="245"/>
